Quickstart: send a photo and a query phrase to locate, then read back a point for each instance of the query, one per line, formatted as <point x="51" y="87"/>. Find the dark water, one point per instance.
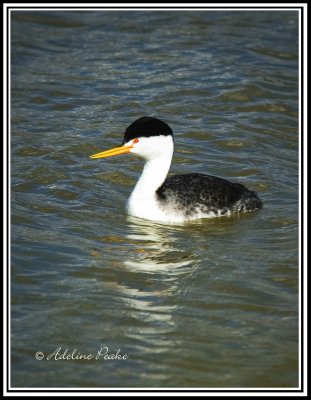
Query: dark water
<point x="209" y="304"/>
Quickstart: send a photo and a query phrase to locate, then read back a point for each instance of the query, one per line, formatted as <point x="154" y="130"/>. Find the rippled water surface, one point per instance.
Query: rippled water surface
<point x="209" y="304"/>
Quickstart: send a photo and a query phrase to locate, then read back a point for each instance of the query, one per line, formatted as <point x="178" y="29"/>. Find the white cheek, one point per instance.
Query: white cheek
<point x="135" y="149"/>
<point x="152" y="147"/>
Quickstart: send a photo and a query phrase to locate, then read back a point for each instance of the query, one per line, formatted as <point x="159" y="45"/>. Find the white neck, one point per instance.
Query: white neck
<point x="143" y="201"/>
<point x="152" y="177"/>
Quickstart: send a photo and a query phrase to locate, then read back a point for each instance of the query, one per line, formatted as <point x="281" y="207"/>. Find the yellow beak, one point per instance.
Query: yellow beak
<point x="113" y="152"/>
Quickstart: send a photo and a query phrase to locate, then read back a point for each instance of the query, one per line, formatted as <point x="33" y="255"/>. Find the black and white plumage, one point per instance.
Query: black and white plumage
<point x="177" y="198"/>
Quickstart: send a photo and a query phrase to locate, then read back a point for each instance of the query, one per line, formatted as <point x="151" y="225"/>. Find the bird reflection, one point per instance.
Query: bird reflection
<point x="156" y="249"/>
<point x="143" y="272"/>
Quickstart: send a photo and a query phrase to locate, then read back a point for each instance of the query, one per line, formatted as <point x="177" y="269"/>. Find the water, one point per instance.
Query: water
<point x="213" y="303"/>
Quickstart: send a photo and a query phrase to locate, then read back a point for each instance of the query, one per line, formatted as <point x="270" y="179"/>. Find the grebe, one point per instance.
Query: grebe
<point x="177" y="198"/>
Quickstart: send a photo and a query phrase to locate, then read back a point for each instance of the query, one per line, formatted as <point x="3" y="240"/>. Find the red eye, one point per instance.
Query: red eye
<point x="136" y="140"/>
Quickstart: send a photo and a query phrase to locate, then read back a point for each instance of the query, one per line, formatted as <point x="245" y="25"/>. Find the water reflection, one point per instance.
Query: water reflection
<point x="153" y="272"/>
<point x="157" y="249"/>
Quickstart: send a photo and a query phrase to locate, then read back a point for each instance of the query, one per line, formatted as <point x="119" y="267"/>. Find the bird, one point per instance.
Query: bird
<point x="177" y="198"/>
